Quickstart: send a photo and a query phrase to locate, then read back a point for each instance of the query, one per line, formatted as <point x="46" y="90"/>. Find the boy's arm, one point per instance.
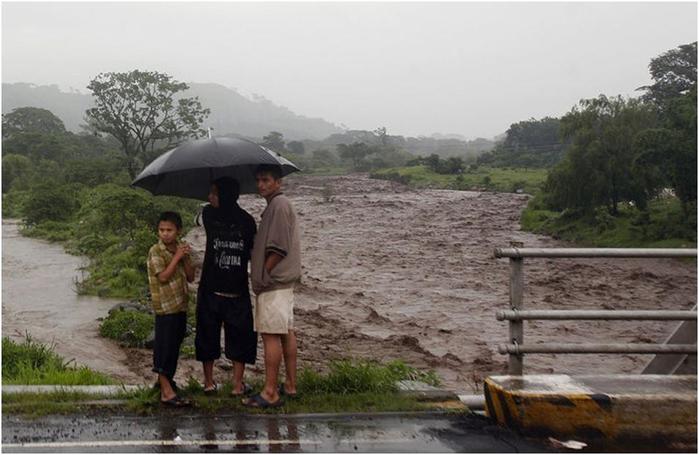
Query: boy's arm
<point x="188" y="268"/>
<point x="165" y="275"/>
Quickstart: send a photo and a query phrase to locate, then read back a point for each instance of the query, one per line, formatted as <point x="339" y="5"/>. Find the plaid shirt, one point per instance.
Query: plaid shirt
<point x="169" y="297"/>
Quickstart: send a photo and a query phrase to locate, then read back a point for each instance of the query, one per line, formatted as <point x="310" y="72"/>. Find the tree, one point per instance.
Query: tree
<point x="668" y="154"/>
<point x="274" y="141"/>
<point x="530" y="143"/>
<point x="674" y="73"/>
<point x="296" y="147"/>
<point x="112" y="209"/>
<point x="31" y="120"/>
<point x="355" y="153"/>
<point x="598" y="169"/>
<point x="15" y="168"/>
<point x="144" y="110"/>
<point x="49" y="202"/>
<point x="382" y="135"/>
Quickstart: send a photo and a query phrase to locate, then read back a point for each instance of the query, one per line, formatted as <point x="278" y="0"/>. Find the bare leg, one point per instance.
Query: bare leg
<point x="208" y="374"/>
<point x="289" y="348"/>
<point x="166" y="392"/>
<point x="238" y="371"/>
<point x="273" y="358"/>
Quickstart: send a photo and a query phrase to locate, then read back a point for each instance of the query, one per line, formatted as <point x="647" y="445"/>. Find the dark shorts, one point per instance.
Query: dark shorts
<point x="169" y="333"/>
<point x="235" y="314"/>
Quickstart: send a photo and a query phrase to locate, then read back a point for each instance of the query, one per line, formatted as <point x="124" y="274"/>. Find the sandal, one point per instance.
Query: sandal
<point x="284" y="393"/>
<point x="173" y="384"/>
<point x="176" y="402"/>
<point x="246" y="391"/>
<point x="257" y="401"/>
<point x="212" y="391"/>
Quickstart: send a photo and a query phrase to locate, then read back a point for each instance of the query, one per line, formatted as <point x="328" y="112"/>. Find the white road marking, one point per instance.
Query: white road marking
<point x="201" y="442"/>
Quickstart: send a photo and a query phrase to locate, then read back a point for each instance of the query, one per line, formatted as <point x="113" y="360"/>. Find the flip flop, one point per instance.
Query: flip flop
<point x="257" y="401"/>
<point x="176" y="402"/>
<point x="284" y="393"/>
<point x="173" y="384"/>
<point x="246" y="391"/>
<point x="211" y="391"/>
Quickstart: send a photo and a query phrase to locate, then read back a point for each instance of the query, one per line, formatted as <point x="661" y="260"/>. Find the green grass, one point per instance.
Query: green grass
<point x="665" y="227"/>
<point x="32" y="363"/>
<point x="483" y="178"/>
<point x="34" y="405"/>
<point x="347" y="386"/>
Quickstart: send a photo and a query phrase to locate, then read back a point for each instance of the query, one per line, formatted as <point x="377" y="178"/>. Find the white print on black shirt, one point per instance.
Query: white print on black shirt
<point x="226" y="253"/>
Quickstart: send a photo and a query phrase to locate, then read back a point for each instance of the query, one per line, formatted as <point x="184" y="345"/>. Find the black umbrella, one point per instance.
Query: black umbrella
<point x="189" y="169"/>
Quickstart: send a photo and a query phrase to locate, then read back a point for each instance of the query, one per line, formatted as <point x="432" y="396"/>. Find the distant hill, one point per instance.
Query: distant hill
<point x="68" y="106"/>
<point x="231" y="112"/>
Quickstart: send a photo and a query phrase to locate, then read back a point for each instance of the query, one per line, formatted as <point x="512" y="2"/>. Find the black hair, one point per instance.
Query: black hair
<point x="228" y="192"/>
<point x="272" y="169"/>
<point x="172" y="217"/>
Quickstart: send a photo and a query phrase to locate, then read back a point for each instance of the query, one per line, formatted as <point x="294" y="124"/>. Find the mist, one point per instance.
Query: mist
<point x="416" y="68"/>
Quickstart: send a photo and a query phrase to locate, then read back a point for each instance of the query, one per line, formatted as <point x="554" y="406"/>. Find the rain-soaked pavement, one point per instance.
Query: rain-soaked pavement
<point x="183" y="431"/>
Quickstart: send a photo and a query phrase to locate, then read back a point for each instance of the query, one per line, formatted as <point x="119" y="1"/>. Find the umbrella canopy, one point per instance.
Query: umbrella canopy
<point x="189" y="169"/>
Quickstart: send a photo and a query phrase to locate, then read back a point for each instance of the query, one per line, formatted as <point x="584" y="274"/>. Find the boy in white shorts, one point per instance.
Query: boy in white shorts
<point x="276" y="267"/>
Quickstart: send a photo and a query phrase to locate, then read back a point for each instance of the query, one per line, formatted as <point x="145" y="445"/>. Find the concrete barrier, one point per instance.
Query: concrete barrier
<point x="603" y="407"/>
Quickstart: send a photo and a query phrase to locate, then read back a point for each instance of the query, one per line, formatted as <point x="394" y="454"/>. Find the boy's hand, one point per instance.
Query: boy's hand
<point x="183" y="249"/>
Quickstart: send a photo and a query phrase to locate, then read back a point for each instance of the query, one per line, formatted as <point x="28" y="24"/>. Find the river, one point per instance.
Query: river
<point x="388" y="273"/>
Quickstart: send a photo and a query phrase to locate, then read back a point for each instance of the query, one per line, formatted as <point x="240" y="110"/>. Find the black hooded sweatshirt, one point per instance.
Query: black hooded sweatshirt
<point x="230" y="232"/>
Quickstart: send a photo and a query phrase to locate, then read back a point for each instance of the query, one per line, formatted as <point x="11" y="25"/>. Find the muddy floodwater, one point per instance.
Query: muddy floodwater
<point x="393" y="273"/>
<point x="38" y="298"/>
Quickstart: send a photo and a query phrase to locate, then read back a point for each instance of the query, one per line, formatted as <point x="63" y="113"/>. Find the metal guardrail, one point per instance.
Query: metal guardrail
<point x="517" y="315"/>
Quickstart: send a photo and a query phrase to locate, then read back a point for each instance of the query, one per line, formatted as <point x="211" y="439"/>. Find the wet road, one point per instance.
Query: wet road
<point x="184" y="432"/>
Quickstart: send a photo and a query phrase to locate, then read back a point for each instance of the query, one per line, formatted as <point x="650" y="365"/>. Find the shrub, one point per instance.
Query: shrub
<point x="49" y="202"/>
<point x="130" y="328"/>
<point x="347" y="376"/>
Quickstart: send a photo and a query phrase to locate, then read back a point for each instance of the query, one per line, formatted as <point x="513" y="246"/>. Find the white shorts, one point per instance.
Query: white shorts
<point x="274" y="312"/>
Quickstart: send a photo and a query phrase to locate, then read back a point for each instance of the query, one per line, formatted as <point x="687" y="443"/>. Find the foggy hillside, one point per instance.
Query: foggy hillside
<point x="231" y="113"/>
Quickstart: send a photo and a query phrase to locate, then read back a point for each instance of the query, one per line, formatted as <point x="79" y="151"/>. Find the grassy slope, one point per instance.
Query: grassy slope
<point x="34" y="363"/>
<point x="495" y="179"/>
<point x="666" y="227"/>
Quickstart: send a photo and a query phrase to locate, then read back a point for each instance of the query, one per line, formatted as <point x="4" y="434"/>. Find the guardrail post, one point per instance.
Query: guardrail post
<point x="515" y="362"/>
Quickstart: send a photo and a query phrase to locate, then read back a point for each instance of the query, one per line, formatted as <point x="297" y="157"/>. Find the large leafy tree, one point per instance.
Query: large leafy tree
<point x="599" y="166"/>
<point x="529" y="143"/>
<point x="145" y="112"/>
<point x="674" y="74"/>
<point x="668" y="154"/>
<point x="31" y="120"/>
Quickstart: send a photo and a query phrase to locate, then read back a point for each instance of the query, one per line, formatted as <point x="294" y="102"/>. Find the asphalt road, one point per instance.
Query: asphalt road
<point x="185" y="432"/>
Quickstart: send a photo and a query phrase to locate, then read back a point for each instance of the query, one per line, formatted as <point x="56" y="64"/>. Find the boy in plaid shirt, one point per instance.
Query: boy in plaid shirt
<point x="169" y="270"/>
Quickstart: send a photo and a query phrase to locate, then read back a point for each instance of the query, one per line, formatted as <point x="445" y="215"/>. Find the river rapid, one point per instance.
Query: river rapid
<point x="392" y="273"/>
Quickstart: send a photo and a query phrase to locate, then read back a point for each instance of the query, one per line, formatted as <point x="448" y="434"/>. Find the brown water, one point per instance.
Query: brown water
<point x="38" y="298"/>
<point x="392" y="273"/>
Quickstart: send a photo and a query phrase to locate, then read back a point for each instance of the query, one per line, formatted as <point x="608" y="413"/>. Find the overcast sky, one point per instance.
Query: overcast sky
<point x="416" y="68"/>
